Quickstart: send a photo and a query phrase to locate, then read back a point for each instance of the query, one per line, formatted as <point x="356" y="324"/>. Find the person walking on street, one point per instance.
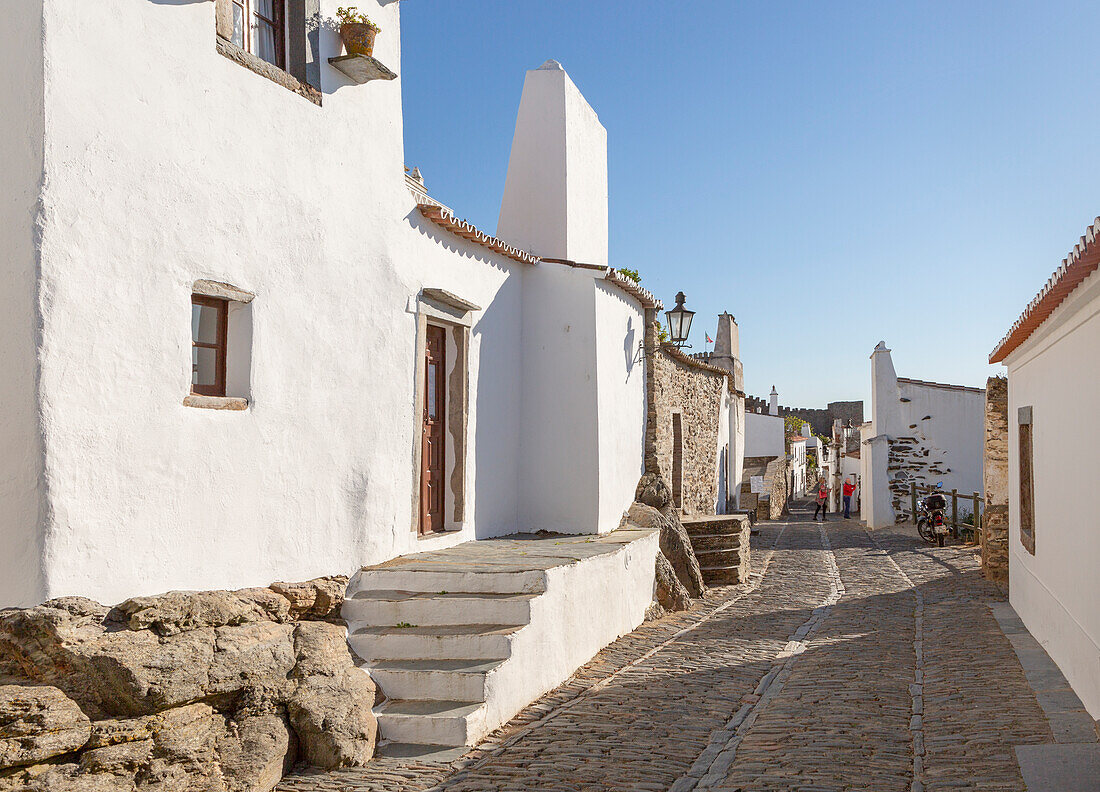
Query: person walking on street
<point x="848" y="489"/>
<point x="822" y="499"/>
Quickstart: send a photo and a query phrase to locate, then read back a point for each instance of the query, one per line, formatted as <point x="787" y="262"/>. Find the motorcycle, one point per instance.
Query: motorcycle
<point x="930" y="523"/>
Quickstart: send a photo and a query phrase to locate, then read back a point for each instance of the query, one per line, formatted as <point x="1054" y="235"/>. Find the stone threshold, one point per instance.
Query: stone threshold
<point x="1072" y="762"/>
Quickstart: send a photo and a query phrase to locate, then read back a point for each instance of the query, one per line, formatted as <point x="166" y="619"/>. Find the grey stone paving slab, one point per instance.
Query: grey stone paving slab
<point x="1060" y="768"/>
<point x="1072" y="727"/>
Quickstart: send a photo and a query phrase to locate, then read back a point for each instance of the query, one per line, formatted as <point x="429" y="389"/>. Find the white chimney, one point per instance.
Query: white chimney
<point x="555" y="194"/>
<point x="773" y="402"/>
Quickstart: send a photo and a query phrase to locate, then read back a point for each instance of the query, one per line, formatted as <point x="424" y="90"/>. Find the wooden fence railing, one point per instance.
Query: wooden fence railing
<point x="970" y="524"/>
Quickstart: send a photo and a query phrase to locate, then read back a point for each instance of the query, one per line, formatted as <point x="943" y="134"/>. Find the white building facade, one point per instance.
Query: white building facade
<point x="922" y="433"/>
<point x="1052" y="354"/>
<point x="239" y="348"/>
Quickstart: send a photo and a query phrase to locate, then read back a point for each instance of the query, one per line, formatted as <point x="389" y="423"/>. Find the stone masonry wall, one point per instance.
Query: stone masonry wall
<point x="220" y="691"/>
<point x="696" y="395"/>
<point x="995" y="520"/>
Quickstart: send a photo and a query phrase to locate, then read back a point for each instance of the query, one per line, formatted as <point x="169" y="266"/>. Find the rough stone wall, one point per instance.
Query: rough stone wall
<point x="773" y="504"/>
<point x="911" y="460"/>
<point x="995" y="473"/>
<point x="697" y="396"/>
<point x="820" y="420"/>
<point x="211" y="690"/>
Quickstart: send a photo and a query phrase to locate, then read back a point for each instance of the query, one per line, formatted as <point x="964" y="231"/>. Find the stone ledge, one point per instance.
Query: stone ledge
<point x="233" y="403"/>
<point x="265" y="69"/>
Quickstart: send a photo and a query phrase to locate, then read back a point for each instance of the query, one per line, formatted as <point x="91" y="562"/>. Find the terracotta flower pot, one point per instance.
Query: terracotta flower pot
<point x="358" y="38"/>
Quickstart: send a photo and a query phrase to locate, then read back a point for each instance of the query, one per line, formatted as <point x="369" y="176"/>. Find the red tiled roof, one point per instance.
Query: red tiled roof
<point x="798" y="438"/>
<point x="634" y="289"/>
<point x="1081" y="262"/>
<point x="442" y="216"/>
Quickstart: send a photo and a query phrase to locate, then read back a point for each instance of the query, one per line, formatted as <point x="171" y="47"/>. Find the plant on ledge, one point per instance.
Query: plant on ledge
<point x="356" y="31"/>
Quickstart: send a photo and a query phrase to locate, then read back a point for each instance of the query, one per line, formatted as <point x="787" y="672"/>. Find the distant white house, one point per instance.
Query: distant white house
<point x="1052" y="354"/>
<point x="764" y="432"/>
<point x="797" y="456"/>
<point x="922" y="433"/>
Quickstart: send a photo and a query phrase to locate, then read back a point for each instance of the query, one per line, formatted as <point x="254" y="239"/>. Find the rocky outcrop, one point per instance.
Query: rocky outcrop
<point x="213" y="690"/>
<point x="37" y="723"/>
<point x="653" y="508"/>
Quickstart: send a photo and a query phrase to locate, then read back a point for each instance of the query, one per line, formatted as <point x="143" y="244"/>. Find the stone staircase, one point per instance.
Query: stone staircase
<point x="459" y="640"/>
<point x="721" y="543"/>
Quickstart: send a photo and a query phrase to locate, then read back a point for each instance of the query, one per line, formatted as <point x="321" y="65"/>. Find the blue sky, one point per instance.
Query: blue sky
<point x="832" y="174"/>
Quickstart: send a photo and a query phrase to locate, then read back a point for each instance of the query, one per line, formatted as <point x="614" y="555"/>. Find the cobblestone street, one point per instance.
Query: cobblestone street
<point x="849" y="661"/>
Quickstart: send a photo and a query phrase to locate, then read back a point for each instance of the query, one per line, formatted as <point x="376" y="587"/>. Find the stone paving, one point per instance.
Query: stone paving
<point x="847" y="661"/>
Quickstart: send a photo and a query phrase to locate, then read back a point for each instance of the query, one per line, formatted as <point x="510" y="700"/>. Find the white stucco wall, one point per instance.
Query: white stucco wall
<point x="763" y="435"/>
<point x="621" y="402"/>
<point x="181" y="177"/>
<point x="21" y="165"/>
<point x="737" y="447"/>
<point x="1056" y="591"/>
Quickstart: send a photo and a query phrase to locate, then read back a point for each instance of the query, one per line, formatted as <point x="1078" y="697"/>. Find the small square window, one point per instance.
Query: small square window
<point x="209" y="331"/>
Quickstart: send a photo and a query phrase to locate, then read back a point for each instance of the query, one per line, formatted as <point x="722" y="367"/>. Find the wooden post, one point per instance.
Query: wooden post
<point x="955" y="513"/>
<point x="977" y="518"/>
<point x="913" y="501"/>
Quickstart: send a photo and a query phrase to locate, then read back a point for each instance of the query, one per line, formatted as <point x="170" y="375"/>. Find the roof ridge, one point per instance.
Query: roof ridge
<point x="1062" y="282"/>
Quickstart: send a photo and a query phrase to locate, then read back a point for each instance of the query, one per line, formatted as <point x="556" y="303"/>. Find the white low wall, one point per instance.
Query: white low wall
<point x="587" y="605"/>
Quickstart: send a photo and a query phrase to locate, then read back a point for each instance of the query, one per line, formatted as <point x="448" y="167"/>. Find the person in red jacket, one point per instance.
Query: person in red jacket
<point x="822" y="502"/>
<point x="848" y="490"/>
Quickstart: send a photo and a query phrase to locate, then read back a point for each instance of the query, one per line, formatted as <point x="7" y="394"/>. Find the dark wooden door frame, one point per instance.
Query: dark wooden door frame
<point x="433" y="456"/>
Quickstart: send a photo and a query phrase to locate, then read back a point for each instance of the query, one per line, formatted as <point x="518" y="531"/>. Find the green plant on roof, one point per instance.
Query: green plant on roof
<point x="352" y="16"/>
<point x="403" y="625"/>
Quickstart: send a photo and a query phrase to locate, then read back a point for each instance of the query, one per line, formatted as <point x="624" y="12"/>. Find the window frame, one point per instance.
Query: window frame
<point x="220" y="346"/>
<point x="279" y="23"/>
<point x="1026" y="469"/>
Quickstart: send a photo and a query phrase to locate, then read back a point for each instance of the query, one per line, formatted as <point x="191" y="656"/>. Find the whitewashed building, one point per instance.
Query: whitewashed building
<point x="764" y="434"/>
<point x="240" y="345"/>
<point x="1052" y="354"/>
<point x="923" y="433"/>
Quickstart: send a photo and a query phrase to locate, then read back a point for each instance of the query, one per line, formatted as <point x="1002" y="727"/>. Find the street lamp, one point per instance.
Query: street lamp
<point x="679" y="321"/>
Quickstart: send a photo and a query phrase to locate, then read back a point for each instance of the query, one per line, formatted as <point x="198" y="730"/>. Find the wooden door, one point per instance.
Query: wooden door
<point x="433" y="456"/>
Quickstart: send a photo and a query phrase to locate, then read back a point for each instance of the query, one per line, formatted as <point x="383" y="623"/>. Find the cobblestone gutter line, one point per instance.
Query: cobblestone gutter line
<point x="714" y="762"/>
<point x="488" y="750"/>
<point x="916" y="690"/>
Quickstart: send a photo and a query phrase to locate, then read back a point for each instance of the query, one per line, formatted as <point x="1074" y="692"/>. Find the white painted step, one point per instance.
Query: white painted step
<point x="430" y="722"/>
<point x="465" y="641"/>
<point x="386" y="608"/>
<point x="439" y="754"/>
<point x="454" y="680"/>
<point x="531" y="581"/>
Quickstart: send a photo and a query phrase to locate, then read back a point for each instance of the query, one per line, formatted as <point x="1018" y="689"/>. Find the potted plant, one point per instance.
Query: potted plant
<point x="356" y="31"/>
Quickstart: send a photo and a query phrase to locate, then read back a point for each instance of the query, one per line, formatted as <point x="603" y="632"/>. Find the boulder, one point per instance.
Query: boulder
<point x="180" y="611"/>
<point x="256" y="751"/>
<point x="670" y="593"/>
<point x="320" y="648"/>
<point x="183" y="755"/>
<point x="317" y="599"/>
<point x="39" y="723"/>
<point x="653" y="491"/>
<point x="333" y="719"/>
<point x="675" y="544"/>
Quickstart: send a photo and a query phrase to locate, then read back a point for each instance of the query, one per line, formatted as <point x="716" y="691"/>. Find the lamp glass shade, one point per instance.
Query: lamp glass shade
<point x="679" y="321"/>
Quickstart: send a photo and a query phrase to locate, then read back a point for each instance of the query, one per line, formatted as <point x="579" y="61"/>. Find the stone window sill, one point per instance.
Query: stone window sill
<point x="215" y="402"/>
<point x="265" y="69"/>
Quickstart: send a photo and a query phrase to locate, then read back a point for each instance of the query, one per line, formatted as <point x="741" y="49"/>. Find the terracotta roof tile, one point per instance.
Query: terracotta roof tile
<point x="442" y="216"/>
<point x="1081" y="262"/>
